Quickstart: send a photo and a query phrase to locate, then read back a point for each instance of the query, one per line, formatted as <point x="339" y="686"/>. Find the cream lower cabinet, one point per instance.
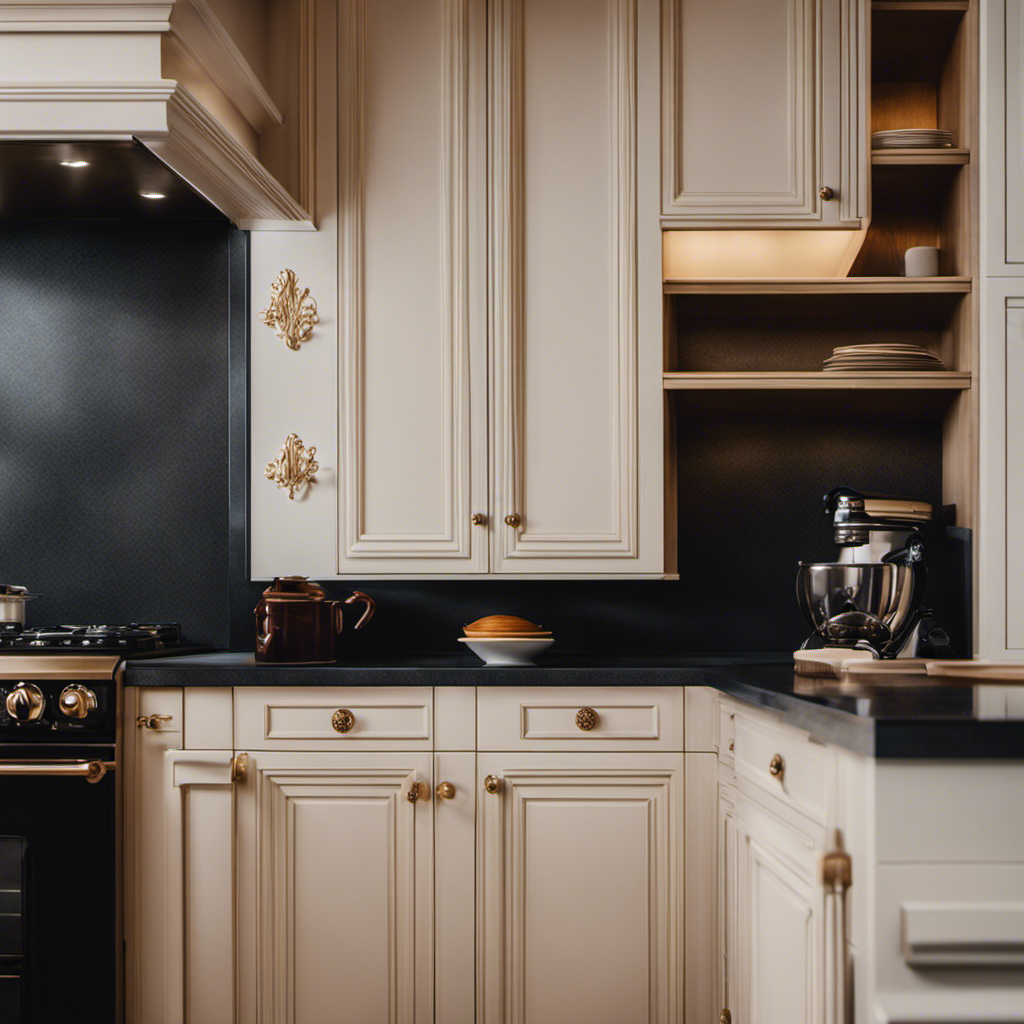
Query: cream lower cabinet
<point x="297" y="867"/>
<point x="334" y="896"/>
<point x="580" y="895"/>
<point x="782" y="943"/>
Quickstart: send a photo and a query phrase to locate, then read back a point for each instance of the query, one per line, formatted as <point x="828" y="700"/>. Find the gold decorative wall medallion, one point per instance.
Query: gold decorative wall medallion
<point x="291" y="313"/>
<point x="294" y="466"/>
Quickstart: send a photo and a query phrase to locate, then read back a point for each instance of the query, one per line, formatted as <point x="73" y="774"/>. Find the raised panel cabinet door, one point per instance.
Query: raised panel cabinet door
<point x="575" y="270"/>
<point x="579" y="888"/>
<point x="762" y="107"/>
<point x="335" y="889"/>
<point x="412" y="287"/>
<point x="1001" y="537"/>
<point x="777" y="968"/>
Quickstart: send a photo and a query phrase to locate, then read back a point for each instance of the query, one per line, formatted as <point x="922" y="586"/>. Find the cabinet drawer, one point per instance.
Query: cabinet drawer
<point x="802" y="779"/>
<point x="279" y="718"/>
<point x="621" y="718"/>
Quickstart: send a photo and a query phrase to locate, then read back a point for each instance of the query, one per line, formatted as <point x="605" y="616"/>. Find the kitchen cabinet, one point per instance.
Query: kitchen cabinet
<point x="334" y="893"/>
<point x="580" y="903"/>
<point x="326" y="847"/>
<point x="494" y="364"/>
<point x="1001" y="537"/>
<point x="778" y="947"/>
<point x="764" y="113"/>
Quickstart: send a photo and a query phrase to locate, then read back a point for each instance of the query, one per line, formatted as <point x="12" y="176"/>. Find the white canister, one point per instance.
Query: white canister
<point x="921" y="261"/>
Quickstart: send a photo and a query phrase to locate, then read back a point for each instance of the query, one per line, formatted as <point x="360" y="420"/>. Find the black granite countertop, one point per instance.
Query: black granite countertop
<point x="920" y="722"/>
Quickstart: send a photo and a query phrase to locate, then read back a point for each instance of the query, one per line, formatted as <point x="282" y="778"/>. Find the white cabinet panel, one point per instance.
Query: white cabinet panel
<point x="335" y="888"/>
<point x="565" y="261"/>
<point x="1001" y="537"/>
<point x="763" y="104"/>
<point x="412" y="292"/>
<point x="580" y="885"/>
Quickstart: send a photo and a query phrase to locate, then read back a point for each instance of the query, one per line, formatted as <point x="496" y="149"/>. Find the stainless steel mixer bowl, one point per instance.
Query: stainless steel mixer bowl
<point x="872" y="591"/>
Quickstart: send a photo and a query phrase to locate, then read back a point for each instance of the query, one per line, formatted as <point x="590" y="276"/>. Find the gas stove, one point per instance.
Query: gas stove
<point x="131" y="638"/>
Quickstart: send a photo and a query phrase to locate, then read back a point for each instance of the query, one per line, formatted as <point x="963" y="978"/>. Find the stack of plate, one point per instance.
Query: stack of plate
<point x="870" y="358"/>
<point x="912" y="138"/>
<point x="506" y="639"/>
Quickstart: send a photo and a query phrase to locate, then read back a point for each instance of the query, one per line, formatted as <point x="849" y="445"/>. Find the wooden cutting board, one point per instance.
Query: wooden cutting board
<point x="976" y="672"/>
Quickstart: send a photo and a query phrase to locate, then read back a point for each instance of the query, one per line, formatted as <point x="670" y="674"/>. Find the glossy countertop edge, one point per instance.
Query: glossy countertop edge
<point x="758" y="679"/>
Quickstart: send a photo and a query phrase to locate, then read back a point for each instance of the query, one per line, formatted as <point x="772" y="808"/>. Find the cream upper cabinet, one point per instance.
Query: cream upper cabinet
<point x="575" y="304"/>
<point x="496" y="392"/>
<point x="764" y="113"/>
<point x="580" y="888"/>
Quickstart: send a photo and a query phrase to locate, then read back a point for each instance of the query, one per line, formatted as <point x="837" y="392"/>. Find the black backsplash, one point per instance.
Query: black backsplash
<point x="113" y="417"/>
<point x="123" y="454"/>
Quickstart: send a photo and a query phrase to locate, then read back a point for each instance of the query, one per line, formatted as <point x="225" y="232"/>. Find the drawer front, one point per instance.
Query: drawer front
<point x="580" y="718"/>
<point x="315" y="718"/>
<point x="802" y="769"/>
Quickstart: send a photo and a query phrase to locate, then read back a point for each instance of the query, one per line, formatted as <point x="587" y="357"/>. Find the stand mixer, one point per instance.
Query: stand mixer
<point x="870" y="599"/>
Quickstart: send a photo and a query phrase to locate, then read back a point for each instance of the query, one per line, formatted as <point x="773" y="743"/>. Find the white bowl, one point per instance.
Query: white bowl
<point x="516" y="651"/>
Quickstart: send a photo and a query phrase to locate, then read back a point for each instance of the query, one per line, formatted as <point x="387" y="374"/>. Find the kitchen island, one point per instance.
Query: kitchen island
<point x="463" y="841"/>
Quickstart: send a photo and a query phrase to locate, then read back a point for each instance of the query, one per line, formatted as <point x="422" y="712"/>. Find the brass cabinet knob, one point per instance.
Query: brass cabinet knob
<point x="76" y="701"/>
<point x="152" y="721"/>
<point x="513" y="520"/>
<point x="415" y="792"/>
<point x="239" y="767"/>
<point x="478" y="519"/>
<point x="492" y="784"/>
<point x="777" y="766"/>
<point x="725" y="1017"/>
<point x="586" y="719"/>
<point x="445" y="790"/>
<point x="827" y="193"/>
<point x="25" y="702"/>
<point x="343" y="720"/>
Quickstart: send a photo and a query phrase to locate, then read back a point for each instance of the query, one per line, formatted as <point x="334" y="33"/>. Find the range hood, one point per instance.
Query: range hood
<point x="149" y="108"/>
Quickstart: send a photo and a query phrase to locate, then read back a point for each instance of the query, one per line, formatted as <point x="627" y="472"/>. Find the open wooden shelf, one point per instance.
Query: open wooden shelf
<point x="947" y="156"/>
<point x="810" y="395"/>
<point x="856" y="302"/>
<point x="782" y="380"/>
<point x="915" y="286"/>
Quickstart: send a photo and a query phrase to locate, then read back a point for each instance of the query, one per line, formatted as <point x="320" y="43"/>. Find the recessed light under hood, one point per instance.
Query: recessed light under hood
<point x="96" y="181"/>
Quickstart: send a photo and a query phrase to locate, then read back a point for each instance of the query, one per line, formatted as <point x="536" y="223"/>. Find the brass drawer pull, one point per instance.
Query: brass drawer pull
<point x="586" y="719"/>
<point x="445" y="790"/>
<point x="492" y="784"/>
<point x="777" y="766"/>
<point x="152" y="721"/>
<point x="343" y="720"/>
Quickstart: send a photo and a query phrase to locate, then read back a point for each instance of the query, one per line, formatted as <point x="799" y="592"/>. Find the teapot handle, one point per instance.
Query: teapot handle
<point x="358" y="595"/>
<point x="263" y="638"/>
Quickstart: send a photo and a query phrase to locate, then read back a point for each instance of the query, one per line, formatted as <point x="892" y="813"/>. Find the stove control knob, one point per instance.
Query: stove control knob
<point x="76" y="701"/>
<point x="25" y="702"/>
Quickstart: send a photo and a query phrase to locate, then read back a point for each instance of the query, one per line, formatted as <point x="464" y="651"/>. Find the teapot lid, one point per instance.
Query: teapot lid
<point x="294" y="588"/>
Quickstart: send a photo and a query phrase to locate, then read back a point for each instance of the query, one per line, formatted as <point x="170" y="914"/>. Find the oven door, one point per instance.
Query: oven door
<point x="58" y="901"/>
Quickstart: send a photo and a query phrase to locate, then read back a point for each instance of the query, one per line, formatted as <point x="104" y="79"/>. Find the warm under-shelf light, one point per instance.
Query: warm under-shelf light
<point x="758" y="254"/>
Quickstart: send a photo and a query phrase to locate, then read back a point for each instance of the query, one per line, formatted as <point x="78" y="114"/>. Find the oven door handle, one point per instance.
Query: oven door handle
<point x="91" y="771"/>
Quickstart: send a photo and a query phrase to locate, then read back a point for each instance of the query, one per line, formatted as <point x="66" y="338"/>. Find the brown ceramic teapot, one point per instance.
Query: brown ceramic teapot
<point x="296" y="623"/>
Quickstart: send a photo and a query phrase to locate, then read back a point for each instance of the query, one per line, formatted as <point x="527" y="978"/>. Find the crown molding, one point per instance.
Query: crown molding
<point x="85" y="16"/>
<point x="196" y="31"/>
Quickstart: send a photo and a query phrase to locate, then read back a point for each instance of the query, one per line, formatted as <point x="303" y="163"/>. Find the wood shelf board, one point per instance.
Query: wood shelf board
<point x="948" y="380"/>
<point x="821" y="286"/>
<point x="944" y="157"/>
